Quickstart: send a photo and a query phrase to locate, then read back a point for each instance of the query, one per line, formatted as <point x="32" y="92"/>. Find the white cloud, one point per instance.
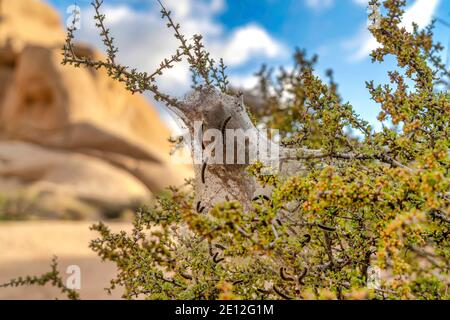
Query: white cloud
<point x="244" y="43"/>
<point x="144" y="40"/>
<point x="361" y="2"/>
<point x="244" y="81"/>
<point x="319" y="4"/>
<point x="421" y="13"/>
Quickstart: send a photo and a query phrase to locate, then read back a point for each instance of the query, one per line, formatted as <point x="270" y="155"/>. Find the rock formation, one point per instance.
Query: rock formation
<point x="73" y="140"/>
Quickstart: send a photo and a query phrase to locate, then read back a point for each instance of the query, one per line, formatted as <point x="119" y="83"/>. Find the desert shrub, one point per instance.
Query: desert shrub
<point x="52" y="278"/>
<point x="360" y="202"/>
<point x="17" y="206"/>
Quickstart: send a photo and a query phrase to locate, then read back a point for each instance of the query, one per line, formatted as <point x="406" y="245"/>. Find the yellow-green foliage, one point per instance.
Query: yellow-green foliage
<point x="52" y="278"/>
<point x="380" y="200"/>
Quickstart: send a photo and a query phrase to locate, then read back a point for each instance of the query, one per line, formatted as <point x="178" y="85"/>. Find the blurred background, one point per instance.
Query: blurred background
<point x="75" y="147"/>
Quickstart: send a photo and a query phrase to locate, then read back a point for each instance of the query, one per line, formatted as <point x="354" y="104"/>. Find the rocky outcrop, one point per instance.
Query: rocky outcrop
<point x="69" y="133"/>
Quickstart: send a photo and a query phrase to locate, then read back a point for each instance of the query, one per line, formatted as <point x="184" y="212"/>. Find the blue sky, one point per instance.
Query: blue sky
<point x="247" y="33"/>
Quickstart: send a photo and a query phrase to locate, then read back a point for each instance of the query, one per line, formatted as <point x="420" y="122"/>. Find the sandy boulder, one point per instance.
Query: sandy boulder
<point x="73" y="132"/>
